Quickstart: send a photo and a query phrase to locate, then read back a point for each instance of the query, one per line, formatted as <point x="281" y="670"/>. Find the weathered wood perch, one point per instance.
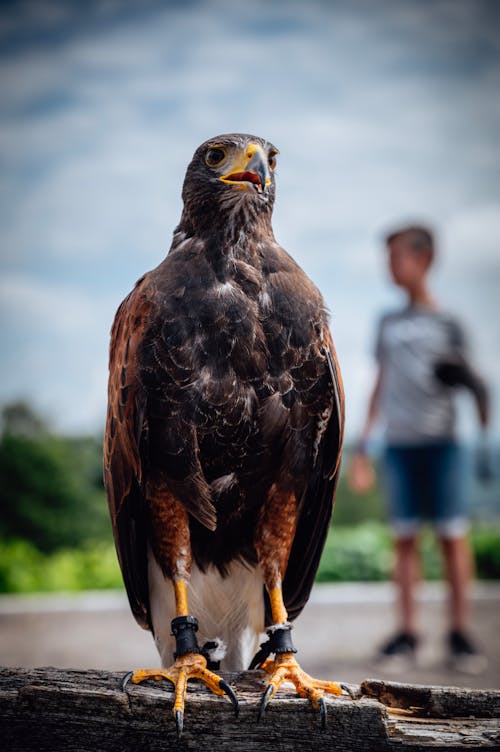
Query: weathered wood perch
<point x="54" y="709"/>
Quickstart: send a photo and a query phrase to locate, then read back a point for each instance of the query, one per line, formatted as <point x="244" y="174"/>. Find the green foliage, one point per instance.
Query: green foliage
<point x="20" y="419"/>
<point x="430" y="555"/>
<point x="365" y="552"/>
<point x="55" y="532"/>
<point x="354" y="508"/>
<point x="356" y="553"/>
<point x="50" y="487"/>
<point x="351" y="554"/>
<point x="24" y="569"/>
<point x="486" y="546"/>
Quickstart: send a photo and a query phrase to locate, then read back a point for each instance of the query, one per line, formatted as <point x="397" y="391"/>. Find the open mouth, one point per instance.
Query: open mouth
<point x="246" y="177"/>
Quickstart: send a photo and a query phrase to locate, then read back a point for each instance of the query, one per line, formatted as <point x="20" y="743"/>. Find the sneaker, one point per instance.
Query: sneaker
<point x="399" y="653"/>
<point x="463" y="654"/>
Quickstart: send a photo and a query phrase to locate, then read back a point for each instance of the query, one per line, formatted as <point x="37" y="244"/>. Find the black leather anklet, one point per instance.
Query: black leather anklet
<point x="184" y="630"/>
<point x="280" y="641"/>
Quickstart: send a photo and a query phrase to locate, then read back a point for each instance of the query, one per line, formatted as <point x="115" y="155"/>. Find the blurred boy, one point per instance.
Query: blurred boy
<point x="420" y="352"/>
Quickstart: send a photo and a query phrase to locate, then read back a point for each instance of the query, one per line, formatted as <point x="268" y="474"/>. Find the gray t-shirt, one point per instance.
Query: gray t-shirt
<point x="415" y="405"/>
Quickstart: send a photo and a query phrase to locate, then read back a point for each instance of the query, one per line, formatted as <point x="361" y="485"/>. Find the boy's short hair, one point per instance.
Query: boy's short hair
<point x="420" y="238"/>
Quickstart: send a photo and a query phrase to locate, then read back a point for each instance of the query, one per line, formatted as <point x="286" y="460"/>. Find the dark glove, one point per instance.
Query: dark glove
<point x="454" y="373"/>
<point x="457" y="372"/>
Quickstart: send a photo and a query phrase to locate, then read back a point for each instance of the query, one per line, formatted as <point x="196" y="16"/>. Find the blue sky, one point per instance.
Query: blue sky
<point x="383" y="111"/>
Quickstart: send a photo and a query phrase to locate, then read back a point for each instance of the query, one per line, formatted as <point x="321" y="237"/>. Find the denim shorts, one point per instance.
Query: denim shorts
<point x="426" y="483"/>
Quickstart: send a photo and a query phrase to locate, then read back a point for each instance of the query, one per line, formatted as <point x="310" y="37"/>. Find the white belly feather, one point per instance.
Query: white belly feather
<point x="228" y="608"/>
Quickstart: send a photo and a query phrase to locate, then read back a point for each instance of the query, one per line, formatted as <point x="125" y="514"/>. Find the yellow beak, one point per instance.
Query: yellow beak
<point x="250" y="167"/>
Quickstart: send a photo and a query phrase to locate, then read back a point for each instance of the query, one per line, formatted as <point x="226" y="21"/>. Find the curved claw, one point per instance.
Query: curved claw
<point x="322" y="710"/>
<point x="229" y="692"/>
<point x="348" y="690"/>
<point x="179" y="722"/>
<point x="265" y="701"/>
<point x="126" y="680"/>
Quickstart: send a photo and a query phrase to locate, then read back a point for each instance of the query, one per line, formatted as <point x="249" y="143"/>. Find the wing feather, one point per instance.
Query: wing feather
<point x="125" y="429"/>
<point x="318" y="499"/>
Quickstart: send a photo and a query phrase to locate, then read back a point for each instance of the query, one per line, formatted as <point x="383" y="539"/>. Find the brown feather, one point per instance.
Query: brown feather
<point x="122" y="462"/>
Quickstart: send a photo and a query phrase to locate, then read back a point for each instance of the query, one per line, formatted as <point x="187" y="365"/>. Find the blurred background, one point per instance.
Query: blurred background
<point x="384" y="113"/>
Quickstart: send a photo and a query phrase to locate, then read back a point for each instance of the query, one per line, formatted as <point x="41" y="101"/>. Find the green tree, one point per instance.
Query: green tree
<point x="50" y="487"/>
<point x="20" y="419"/>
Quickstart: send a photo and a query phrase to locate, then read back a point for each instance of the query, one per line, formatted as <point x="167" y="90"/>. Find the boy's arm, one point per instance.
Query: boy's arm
<point x="372" y="413"/>
<point x="482" y="400"/>
<point x="455" y="370"/>
<point x="460" y="373"/>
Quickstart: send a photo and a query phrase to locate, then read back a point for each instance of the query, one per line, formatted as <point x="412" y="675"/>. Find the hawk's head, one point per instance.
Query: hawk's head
<point x="230" y="174"/>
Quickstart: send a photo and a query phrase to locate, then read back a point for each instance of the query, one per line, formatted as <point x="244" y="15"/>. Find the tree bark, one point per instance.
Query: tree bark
<point x="53" y="709"/>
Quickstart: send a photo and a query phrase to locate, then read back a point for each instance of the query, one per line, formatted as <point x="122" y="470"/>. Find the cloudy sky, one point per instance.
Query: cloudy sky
<point x="384" y="111"/>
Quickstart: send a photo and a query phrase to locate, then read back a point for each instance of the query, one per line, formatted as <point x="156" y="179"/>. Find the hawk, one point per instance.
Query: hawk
<point x="224" y="434"/>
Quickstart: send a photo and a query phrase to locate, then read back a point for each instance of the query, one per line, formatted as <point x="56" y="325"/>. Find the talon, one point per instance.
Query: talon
<point x="345" y="688"/>
<point x="230" y="693"/>
<point x="265" y="701"/>
<point x="179" y="722"/>
<point x="126" y="680"/>
<point x="322" y="710"/>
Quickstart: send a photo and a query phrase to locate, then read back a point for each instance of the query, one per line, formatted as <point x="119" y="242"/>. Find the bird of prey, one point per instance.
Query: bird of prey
<point x="224" y="434"/>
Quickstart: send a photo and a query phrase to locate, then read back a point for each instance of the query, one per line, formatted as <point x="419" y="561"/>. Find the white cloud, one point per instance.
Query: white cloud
<point x="473" y="236"/>
<point x="55" y="348"/>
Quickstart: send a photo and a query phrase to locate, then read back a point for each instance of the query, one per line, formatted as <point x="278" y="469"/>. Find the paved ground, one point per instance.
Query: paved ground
<point x="337" y="634"/>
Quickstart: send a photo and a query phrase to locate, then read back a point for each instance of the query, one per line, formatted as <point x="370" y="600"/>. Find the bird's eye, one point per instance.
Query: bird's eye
<point x="215" y="156"/>
<point x="271" y="160"/>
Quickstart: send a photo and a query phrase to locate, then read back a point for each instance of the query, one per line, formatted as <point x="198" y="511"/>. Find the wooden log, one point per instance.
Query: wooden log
<point x="53" y="709"/>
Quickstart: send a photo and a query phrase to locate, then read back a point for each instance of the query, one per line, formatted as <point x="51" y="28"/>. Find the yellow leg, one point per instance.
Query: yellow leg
<point x="278" y="610"/>
<point x="181" y="604"/>
<point x="188" y="666"/>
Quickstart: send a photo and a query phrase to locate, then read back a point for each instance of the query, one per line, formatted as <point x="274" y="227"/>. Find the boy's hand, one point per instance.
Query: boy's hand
<point x="360" y="473"/>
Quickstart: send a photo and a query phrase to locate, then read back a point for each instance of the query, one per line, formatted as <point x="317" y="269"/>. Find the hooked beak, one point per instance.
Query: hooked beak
<point x="250" y="167"/>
